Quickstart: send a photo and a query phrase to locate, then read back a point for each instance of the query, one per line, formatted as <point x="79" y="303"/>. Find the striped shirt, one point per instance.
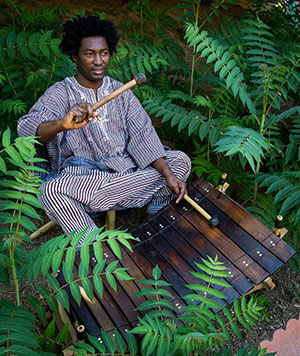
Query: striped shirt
<point x="122" y="139"/>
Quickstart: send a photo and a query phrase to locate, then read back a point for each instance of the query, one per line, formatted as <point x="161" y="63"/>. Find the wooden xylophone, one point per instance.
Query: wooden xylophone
<point x="175" y="238"/>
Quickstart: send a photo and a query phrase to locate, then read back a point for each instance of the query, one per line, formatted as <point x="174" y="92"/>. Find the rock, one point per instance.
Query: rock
<point x="285" y="342"/>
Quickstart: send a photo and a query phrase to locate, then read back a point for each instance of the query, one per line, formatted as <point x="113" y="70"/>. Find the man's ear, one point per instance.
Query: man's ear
<point x="74" y="58"/>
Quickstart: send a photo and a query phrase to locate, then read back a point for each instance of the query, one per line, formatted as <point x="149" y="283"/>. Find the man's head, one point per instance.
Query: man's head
<point x="80" y="27"/>
<point x="90" y="42"/>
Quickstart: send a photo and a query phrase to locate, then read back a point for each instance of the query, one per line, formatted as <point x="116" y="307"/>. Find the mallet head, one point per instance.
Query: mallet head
<point x="214" y="221"/>
<point x="140" y="78"/>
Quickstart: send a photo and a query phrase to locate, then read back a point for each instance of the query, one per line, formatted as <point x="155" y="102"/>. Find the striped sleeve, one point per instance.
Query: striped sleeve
<point x="51" y="106"/>
<point x="144" y="144"/>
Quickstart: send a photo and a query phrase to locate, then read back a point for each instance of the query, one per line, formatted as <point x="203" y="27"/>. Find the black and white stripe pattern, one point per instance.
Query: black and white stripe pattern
<point x="68" y="198"/>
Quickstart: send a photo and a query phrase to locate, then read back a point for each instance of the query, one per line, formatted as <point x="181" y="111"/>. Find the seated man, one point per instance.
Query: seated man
<point x="110" y="158"/>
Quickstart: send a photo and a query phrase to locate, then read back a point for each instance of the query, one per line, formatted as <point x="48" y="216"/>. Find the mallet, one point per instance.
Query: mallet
<point x="213" y="221"/>
<point x="139" y="79"/>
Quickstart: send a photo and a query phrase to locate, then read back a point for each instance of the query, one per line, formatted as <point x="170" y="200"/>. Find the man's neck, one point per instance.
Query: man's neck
<point x="87" y="83"/>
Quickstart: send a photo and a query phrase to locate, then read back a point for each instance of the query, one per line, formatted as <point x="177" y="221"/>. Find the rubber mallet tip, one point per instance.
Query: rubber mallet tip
<point x="214" y="221"/>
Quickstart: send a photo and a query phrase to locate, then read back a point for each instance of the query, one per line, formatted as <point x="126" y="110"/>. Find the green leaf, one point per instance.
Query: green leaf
<point x="108" y="341"/>
<point x="63" y="298"/>
<point x="88" y="288"/>
<point x="115" y="247"/>
<point x="3" y="166"/>
<point x="75" y="291"/>
<point x="121" y="346"/>
<point x="62" y="335"/>
<point x="98" y="283"/>
<point x="111" y="280"/>
<point x="132" y="344"/>
<point x="50" y="330"/>
<point x="112" y="266"/>
<point x="18" y="350"/>
<point x="6" y="138"/>
<point x="98" y="251"/>
<point x="156" y="272"/>
<point x="56" y="260"/>
<point x="54" y="284"/>
<point x="70" y="257"/>
<point x="85" y="256"/>
<point x="122" y="275"/>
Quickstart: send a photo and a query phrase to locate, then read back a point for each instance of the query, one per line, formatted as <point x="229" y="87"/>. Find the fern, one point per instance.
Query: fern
<point x="247" y="142"/>
<point x="286" y="184"/>
<point x="30" y="59"/>
<point x="17" y="331"/>
<point x="195" y="328"/>
<point x="107" y="345"/>
<point x="225" y="65"/>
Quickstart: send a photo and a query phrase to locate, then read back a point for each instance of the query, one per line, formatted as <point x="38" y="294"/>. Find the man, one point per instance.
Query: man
<point x="110" y="158"/>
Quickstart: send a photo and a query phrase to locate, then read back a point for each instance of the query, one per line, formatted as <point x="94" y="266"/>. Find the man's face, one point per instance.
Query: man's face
<point x="92" y="61"/>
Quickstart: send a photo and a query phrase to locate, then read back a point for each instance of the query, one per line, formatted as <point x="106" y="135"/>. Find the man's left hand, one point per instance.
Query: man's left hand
<point x="177" y="185"/>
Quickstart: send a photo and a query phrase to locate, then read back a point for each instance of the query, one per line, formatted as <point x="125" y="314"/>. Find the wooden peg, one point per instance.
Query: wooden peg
<point x="279" y="230"/>
<point x="42" y="230"/>
<point x="81" y="334"/>
<point x="222" y="185"/>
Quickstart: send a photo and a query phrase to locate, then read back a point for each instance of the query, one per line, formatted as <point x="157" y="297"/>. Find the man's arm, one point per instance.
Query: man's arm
<point x="176" y="184"/>
<point x="49" y="129"/>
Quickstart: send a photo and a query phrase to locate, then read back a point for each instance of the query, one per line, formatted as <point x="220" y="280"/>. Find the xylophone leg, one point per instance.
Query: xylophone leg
<point x="110" y="225"/>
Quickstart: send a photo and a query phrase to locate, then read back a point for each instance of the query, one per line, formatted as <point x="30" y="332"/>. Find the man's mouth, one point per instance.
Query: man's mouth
<point x="98" y="71"/>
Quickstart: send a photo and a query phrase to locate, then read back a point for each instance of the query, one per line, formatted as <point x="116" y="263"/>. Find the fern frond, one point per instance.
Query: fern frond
<point x="158" y="338"/>
<point x="287" y="186"/>
<point x="244" y="141"/>
<point x="224" y="63"/>
<point x="18" y="331"/>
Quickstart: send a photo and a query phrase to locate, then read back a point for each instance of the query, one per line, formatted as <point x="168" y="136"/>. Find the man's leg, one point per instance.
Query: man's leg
<point x="65" y="198"/>
<point x="136" y="189"/>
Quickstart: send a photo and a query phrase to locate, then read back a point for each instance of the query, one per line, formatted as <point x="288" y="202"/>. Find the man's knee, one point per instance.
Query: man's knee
<point x="186" y="161"/>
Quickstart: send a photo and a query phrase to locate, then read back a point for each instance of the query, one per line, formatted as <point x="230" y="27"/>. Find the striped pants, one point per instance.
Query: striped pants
<point x="77" y="191"/>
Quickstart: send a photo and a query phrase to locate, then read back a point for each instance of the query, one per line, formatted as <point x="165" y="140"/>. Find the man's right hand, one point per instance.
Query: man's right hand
<point x="78" y="116"/>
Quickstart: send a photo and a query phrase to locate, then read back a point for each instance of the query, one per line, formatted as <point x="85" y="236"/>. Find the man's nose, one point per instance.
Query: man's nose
<point x="98" y="59"/>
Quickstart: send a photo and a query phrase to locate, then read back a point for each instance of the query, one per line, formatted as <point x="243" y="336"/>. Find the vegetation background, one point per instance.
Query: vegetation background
<point x="223" y="86"/>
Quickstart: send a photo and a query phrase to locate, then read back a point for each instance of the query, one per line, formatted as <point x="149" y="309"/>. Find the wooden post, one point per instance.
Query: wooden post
<point x="42" y="230"/>
<point x="222" y="185"/>
<point x="110" y="219"/>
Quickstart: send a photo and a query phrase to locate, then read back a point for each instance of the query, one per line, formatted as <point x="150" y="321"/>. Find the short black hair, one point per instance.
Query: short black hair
<point x="86" y="26"/>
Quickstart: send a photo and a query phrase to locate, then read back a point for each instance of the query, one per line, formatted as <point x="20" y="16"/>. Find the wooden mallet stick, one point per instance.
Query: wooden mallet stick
<point x="139" y="79"/>
<point x="213" y="221"/>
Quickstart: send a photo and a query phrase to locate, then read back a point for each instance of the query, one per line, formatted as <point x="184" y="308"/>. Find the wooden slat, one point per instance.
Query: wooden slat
<point x="205" y="248"/>
<point x="224" y="245"/>
<point x="173" y="257"/>
<point x="242" y="238"/>
<point x="247" y="221"/>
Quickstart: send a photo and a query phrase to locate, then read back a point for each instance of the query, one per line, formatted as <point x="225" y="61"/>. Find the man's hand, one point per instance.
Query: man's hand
<point x="78" y="116"/>
<point x="177" y="185"/>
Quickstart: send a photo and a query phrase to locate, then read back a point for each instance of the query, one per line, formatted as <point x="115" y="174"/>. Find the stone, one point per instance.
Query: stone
<point x="285" y="342"/>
